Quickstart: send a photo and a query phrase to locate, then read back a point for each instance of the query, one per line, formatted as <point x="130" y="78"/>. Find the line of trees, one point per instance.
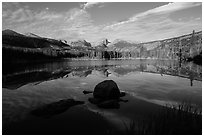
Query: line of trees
<point x="176" y="48"/>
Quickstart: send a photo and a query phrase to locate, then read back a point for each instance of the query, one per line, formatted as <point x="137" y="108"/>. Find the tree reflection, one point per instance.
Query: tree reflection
<point x="191" y="77"/>
<point x="46" y="72"/>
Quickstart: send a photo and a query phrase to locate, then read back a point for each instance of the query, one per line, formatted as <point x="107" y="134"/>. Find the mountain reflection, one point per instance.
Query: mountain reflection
<point x="36" y="73"/>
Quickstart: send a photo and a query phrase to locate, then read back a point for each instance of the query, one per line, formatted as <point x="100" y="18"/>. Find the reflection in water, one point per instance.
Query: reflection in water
<point x="191" y="77"/>
<point x="55" y="70"/>
<point x="161" y="71"/>
<point x="148" y="84"/>
<point x="106" y="73"/>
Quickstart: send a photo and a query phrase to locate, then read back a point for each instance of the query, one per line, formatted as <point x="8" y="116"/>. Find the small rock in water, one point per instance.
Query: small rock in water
<point x="87" y="92"/>
<point x="122" y="94"/>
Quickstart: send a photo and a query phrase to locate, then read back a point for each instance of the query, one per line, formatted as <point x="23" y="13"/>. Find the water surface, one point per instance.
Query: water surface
<point x="149" y="84"/>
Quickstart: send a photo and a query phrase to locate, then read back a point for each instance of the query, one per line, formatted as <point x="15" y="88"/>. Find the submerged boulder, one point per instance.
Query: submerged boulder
<point x="109" y="104"/>
<point x="95" y="100"/>
<point x="107" y="89"/>
<point x="55" y="108"/>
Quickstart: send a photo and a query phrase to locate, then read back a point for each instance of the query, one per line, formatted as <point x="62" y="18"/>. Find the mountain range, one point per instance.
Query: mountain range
<point x="30" y="40"/>
<point x="191" y="45"/>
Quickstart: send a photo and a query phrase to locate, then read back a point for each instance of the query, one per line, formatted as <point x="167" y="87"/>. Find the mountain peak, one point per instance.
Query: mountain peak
<point x="80" y="43"/>
<point x="10" y="32"/>
<point x="103" y="42"/>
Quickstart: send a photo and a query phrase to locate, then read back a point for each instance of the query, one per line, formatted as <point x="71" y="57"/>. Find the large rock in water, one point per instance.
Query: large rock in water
<point x="106" y="90"/>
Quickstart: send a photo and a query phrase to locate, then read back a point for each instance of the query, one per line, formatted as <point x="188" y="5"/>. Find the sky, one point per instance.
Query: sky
<point x="93" y="21"/>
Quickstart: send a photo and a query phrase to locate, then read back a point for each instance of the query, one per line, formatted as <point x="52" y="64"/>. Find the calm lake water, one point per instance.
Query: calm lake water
<point x="149" y="84"/>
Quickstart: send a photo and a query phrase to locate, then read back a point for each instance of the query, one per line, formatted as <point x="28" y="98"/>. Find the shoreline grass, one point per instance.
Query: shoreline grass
<point x="181" y="119"/>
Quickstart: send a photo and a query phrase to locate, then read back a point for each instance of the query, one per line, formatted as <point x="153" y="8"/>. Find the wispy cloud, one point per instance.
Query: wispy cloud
<point x="77" y="23"/>
<point x="90" y="4"/>
<point x="12" y="13"/>
<point x="45" y="22"/>
<point x="165" y="9"/>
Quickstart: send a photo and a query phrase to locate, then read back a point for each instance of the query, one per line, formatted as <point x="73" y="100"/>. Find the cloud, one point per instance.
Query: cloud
<point x="77" y="23"/>
<point x="156" y="27"/>
<point x="154" y="24"/>
<point x="46" y="15"/>
<point x="17" y="16"/>
<point x="75" y="13"/>
<point x="165" y="9"/>
<point x="90" y="4"/>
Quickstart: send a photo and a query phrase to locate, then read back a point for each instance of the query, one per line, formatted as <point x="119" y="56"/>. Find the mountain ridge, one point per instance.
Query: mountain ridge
<point x="167" y="48"/>
<point x="15" y="39"/>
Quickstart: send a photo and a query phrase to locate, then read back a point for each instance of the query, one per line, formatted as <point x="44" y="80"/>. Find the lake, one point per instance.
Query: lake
<point x="148" y="84"/>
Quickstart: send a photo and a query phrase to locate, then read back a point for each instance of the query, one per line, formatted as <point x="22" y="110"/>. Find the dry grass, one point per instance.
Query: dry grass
<point x="181" y="119"/>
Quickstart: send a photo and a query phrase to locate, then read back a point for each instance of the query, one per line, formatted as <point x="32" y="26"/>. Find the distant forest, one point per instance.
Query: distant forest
<point x="20" y="48"/>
